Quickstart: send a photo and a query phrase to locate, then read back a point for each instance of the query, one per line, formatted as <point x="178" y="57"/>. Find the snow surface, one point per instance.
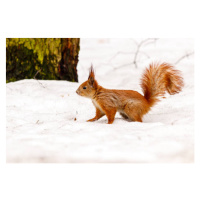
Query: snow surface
<point x="46" y="120"/>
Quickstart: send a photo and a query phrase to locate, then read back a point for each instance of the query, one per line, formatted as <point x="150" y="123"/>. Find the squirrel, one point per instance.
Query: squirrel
<point x="155" y="81"/>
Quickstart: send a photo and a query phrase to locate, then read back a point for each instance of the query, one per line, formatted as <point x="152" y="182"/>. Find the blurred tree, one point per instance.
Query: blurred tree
<point x="27" y="58"/>
<point x="21" y="62"/>
<point x="69" y="59"/>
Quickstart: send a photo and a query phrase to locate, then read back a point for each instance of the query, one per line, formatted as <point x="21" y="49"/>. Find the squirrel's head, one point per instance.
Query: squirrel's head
<point x="89" y="87"/>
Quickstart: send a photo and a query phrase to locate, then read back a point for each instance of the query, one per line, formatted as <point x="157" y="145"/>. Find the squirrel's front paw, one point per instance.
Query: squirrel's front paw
<point x="91" y="120"/>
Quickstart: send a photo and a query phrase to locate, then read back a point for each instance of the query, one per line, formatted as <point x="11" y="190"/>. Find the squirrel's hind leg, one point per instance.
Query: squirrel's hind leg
<point x="132" y="113"/>
<point x="131" y="117"/>
<point x="123" y="115"/>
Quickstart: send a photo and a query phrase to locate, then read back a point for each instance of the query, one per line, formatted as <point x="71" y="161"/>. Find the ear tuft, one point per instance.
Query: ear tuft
<point x="91" y="77"/>
<point x="91" y="71"/>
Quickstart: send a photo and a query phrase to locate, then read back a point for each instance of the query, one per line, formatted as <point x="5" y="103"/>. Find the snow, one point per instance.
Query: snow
<point x="46" y="120"/>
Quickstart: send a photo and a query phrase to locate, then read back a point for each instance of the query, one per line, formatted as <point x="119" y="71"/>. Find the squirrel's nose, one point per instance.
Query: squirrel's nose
<point x="77" y="92"/>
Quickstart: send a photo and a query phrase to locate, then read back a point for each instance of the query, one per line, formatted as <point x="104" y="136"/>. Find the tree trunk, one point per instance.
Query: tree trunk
<point x="68" y="65"/>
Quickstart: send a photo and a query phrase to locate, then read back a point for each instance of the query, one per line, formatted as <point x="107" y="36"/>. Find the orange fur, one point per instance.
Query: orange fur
<point x="155" y="81"/>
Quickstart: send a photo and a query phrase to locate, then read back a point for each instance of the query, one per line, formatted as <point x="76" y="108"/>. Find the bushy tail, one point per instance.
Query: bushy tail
<point x="159" y="78"/>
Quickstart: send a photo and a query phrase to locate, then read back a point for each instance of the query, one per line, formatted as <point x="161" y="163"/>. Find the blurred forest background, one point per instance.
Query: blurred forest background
<point x="42" y="58"/>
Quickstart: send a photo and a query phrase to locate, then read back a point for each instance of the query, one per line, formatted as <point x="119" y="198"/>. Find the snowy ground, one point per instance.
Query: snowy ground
<point x="46" y="120"/>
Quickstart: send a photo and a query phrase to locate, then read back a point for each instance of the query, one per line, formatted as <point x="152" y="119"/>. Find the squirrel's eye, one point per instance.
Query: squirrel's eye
<point x="84" y="87"/>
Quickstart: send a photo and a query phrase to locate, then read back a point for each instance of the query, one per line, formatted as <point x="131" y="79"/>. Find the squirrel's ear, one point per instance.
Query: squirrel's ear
<point x="91" y="77"/>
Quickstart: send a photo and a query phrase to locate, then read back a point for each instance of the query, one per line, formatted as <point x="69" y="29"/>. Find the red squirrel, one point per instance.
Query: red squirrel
<point x="155" y="81"/>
